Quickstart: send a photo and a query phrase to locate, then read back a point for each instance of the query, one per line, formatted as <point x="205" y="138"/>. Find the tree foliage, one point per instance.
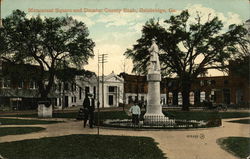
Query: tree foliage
<point x="187" y="49"/>
<point x="50" y="43"/>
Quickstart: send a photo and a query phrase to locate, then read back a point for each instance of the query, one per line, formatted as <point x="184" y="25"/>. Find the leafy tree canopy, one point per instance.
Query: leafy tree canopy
<point x="47" y="42"/>
<point x="189" y="48"/>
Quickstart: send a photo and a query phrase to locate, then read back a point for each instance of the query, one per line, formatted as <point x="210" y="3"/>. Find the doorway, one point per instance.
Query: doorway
<point x="111" y="100"/>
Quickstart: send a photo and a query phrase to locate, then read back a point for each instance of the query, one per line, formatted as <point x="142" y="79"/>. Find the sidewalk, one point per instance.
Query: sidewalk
<point x="176" y="144"/>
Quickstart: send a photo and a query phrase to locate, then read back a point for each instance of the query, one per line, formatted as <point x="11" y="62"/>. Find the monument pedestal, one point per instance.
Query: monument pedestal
<point x="154" y="109"/>
<point x="44" y="110"/>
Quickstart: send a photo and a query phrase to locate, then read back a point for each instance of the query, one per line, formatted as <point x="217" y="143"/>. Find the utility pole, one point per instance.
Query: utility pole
<point x="98" y="97"/>
<point x="102" y="59"/>
<point x="1" y="24"/>
<point x="124" y="96"/>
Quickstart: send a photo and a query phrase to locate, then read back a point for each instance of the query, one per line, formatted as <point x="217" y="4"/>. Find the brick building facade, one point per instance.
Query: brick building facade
<point x="231" y="89"/>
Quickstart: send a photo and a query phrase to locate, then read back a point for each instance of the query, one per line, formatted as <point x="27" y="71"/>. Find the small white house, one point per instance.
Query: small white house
<point x="112" y="89"/>
<point x="74" y="93"/>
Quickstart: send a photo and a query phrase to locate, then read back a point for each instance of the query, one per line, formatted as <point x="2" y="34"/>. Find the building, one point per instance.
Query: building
<point x="112" y="89"/>
<point x="135" y="88"/>
<point x="20" y="91"/>
<point x="231" y="89"/>
<point x="73" y="94"/>
<point x="115" y="90"/>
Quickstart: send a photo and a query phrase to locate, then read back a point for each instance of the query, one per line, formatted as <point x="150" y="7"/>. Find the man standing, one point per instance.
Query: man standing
<point x="91" y="111"/>
<point x="88" y="109"/>
<point x="136" y="112"/>
<point x="86" y="105"/>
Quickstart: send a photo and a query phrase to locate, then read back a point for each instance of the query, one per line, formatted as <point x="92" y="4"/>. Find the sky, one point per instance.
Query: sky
<point x="115" y="25"/>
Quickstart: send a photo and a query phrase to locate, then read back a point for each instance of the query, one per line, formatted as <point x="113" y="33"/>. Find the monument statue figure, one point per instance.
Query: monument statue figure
<point x="154" y="64"/>
<point x="154" y="110"/>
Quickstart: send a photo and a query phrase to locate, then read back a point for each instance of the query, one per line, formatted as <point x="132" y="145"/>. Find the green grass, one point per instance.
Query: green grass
<point x="112" y="115"/>
<point x="238" y="146"/>
<point x="83" y="147"/>
<point x="242" y="121"/>
<point x="192" y="115"/>
<point x="201" y="115"/>
<point x="5" y="121"/>
<point x="19" y="130"/>
<point x="103" y="115"/>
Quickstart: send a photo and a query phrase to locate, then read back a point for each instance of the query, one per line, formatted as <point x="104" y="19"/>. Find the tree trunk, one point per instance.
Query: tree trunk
<point x="186" y="85"/>
<point x="185" y="100"/>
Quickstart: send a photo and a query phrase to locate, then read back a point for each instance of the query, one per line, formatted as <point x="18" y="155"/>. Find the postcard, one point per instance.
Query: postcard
<point x="124" y="79"/>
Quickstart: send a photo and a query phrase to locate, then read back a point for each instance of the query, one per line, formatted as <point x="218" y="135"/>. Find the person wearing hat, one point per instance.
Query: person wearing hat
<point x="88" y="110"/>
<point x="86" y="105"/>
<point x="91" y="110"/>
<point x="136" y="112"/>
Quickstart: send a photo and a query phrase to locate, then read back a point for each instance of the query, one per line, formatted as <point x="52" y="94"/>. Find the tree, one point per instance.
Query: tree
<point x="182" y="44"/>
<point x="50" y="43"/>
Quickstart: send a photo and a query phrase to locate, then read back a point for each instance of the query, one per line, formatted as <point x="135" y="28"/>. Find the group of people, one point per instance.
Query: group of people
<point x="89" y="108"/>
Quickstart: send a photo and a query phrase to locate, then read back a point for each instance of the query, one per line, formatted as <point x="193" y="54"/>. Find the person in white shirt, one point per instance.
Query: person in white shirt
<point x="136" y="112"/>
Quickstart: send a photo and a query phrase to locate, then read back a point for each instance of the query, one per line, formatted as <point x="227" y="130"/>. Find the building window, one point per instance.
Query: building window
<point x="60" y="101"/>
<point x="59" y="87"/>
<point x="191" y="98"/>
<point x="142" y="98"/>
<point x="20" y="84"/>
<point x="86" y="90"/>
<point x="130" y="99"/>
<point x="6" y="83"/>
<point x="170" y="98"/>
<point x="201" y="83"/>
<point x="80" y="92"/>
<point x="179" y="98"/>
<point x="94" y="92"/>
<point x="112" y="89"/>
<point x="136" y="98"/>
<point x="73" y="99"/>
<point x="202" y="96"/>
<point x="66" y="86"/>
<point x="32" y="85"/>
<point x="205" y="82"/>
<point x="213" y="82"/>
<point x="73" y="87"/>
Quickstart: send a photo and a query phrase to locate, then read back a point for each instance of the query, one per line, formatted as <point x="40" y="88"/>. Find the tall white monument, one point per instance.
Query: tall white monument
<point x="154" y="109"/>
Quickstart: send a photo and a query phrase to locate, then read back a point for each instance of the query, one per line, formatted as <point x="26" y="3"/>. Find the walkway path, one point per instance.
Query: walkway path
<point x="176" y="144"/>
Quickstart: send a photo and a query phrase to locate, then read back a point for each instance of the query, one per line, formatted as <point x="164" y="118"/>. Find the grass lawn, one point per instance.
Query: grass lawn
<point x="19" y="130"/>
<point x="192" y="115"/>
<point x="5" y="121"/>
<point x="242" y="121"/>
<point x="238" y="146"/>
<point x="103" y="115"/>
<point x="202" y="115"/>
<point x="83" y="147"/>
